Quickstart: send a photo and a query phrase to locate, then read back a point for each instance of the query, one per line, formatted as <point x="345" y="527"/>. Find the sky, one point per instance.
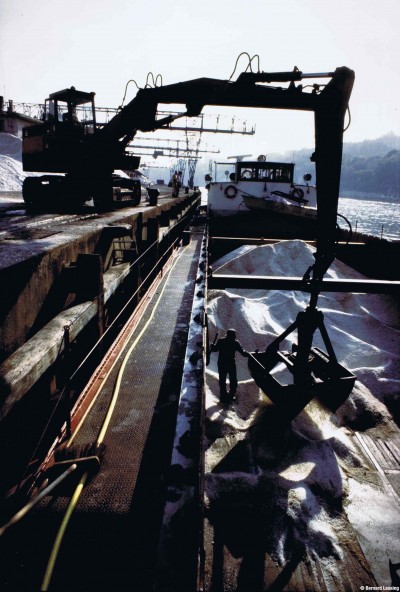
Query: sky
<point x="98" y="45"/>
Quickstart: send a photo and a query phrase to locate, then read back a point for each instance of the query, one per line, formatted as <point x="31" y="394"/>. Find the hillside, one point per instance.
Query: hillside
<point x="372" y="166"/>
<point x="368" y="167"/>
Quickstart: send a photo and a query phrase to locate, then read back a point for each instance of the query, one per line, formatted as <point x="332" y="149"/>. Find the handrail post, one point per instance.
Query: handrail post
<point x="67" y="389"/>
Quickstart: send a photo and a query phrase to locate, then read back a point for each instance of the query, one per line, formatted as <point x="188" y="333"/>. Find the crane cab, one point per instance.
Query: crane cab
<point x="77" y="160"/>
<point x="57" y="144"/>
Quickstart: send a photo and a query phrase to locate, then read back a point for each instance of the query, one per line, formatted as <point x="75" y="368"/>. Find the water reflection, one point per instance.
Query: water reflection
<point x="372" y="216"/>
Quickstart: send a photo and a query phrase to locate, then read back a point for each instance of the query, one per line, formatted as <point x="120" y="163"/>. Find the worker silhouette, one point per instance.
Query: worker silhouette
<point x="176" y="183"/>
<point x="227" y="348"/>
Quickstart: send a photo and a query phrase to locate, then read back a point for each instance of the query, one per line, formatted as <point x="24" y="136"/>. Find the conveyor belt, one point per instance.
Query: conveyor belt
<point x="111" y="540"/>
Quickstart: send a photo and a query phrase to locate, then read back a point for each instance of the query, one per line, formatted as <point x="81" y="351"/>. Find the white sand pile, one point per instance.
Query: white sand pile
<point x="286" y="488"/>
<point x="11" y="173"/>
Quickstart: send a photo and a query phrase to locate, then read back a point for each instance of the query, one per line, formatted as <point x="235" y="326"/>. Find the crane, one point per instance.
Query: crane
<point x="88" y="155"/>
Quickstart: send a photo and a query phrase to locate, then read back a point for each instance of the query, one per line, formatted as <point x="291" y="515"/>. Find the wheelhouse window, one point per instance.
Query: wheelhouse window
<point x="284" y="172"/>
<point x="248" y="174"/>
<point x="265" y="171"/>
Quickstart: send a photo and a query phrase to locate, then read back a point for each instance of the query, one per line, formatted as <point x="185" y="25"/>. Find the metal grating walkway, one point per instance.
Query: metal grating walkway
<point x="153" y="371"/>
<point x="111" y="540"/>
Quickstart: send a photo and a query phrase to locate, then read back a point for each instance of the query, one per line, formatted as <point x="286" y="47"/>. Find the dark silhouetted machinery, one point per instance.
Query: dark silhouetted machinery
<point x="79" y="160"/>
<point x="79" y="157"/>
<point x="88" y="154"/>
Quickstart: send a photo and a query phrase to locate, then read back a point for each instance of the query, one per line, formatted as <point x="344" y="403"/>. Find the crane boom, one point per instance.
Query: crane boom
<point x="63" y="149"/>
<point x="329" y="105"/>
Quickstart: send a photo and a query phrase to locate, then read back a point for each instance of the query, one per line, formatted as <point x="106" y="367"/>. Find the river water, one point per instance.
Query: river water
<point x="378" y="217"/>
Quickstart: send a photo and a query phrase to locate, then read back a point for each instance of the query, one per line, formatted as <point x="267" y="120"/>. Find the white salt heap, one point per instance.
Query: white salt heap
<point x="11" y="173"/>
<point x="289" y="490"/>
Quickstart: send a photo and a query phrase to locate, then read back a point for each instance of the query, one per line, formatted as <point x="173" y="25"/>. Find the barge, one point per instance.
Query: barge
<point x="167" y="487"/>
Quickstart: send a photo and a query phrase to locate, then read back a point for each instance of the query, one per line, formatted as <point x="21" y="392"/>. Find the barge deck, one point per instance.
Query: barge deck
<point x="111" y="543"/>
<point x="140" y="522"/>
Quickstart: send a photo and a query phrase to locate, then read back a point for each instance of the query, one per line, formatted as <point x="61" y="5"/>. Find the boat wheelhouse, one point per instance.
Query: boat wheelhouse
<point x="260" y="185"/>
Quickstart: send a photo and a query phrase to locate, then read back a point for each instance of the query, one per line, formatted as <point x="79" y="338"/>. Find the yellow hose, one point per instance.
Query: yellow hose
<point x="79" y="488"/>
<point x="61" y="531"/>
<point x="107" y="419"/>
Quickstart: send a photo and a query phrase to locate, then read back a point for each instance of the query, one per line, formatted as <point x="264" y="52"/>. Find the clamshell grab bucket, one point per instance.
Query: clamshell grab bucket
<point x="315" y="375"/>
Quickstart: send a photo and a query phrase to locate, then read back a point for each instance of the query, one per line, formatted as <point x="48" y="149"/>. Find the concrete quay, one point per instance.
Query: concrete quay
<point x="62" y="271"/>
